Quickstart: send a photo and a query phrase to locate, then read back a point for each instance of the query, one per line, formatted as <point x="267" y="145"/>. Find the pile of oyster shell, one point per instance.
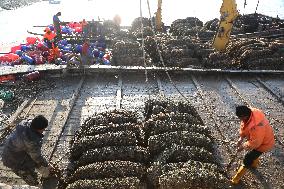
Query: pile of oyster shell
<point x="175" y="51"/>
<point x="109" y="151"/>
<point x="246" y="53"/>
<point x="192" y="27"/>
<point x="189" y="44"/>
<point x="129" y="53"/>
<point x="255" y="22"/>
<point x="170" y="148"/>
<point x="136" y="24"/>
<point x="127" y="49"/>
<point x="110" y="28"/>
<point x="181" y="148"/>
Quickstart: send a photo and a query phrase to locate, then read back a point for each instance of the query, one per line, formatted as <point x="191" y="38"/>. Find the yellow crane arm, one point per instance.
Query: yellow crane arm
<point x="159" y="16"/>
<point x="228" y="13"/>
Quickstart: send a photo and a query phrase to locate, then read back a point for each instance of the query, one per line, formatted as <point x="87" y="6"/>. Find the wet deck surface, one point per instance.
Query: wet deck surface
<point x="59" y="69"/>
<point x="214" y="96"/>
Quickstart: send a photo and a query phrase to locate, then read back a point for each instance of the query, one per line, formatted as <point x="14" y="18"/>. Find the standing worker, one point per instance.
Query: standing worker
<point x="22" y="151"/>
<point x="93" y="28"/>
<point x="259" y="138"/>
<point x="86" y="55"/>
<point x="49" y="38"/>
<point x="56" y="23"/>
<point x="117" y="21"/>
<point x="85" y="28"/>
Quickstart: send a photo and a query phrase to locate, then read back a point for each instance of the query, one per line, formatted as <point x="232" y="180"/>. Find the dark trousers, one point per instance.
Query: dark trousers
<point x="26" y="170"/>
<point x="48" y="44"/>
<point x="250" y="156"/>
<point x="58" y="31"/>
<point x="28" y="175"/>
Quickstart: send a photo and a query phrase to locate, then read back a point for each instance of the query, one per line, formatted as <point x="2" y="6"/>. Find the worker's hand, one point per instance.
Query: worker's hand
<point x="44" y="171"/>
<point x="51" y="168"/>
<point x="239" y="143"/>
<point x="240" y="148"/>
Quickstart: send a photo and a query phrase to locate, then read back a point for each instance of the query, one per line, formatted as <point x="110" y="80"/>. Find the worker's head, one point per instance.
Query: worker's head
<point x="47" y="30"/>
<point x="58" y="14"/>
<point x="39" y="123"/>
<point x="243" y="113"/>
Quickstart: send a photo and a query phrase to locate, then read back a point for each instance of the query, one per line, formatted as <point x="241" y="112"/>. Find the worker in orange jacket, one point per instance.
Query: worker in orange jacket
<point x="85" y="28"/>
<point x="259" y="136"/>
<point x="49" y="37"/>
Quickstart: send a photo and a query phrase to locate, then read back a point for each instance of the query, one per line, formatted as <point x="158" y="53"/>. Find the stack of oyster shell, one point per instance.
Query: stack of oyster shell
<point x="136" y="24"/>
<point x="110" y="28"/>
<point x="148" y="29"/>
<point x="109" y="151"/>
<point x="246" y="53"/>
<point x="175" y="51"/>
<point x="129" y="53"/>
<point x="192" y="27"/>
<point x="189" y="44"/>
<point x="171" y="148"/>
<point x="181" y="148"/>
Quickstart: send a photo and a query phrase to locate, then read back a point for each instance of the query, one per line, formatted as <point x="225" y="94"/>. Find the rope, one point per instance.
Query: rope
<point x="194" y="81"/>
<point x="197" y="33"/>
<point x="148" y="87"/>
<point x="211" y="113"/>
<point x="172" y="82"/>
<point x="143" y="42"/>
<point x="256" y="6"/>
<point x="160" y="55"/>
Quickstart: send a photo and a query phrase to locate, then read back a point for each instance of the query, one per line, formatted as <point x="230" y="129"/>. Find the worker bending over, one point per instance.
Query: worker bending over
<point x="259" y="136"/>
<point x="22" y="151"/>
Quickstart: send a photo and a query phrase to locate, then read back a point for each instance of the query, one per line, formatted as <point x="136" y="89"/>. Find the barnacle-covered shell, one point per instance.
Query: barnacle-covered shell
<point x="157" y="143"/>
<point x="179" y="153"/>
<point x="108" y="183"/>
<point x="123" y="138"/>
<point x="109" y="169"/>
<point x="192" y="177"/>
<point x="123" y="153"/>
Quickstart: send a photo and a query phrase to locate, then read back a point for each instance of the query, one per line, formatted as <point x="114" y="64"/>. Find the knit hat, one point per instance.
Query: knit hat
<point x="39" y="122"/>
<point x="242" y="111"/>
<point x="47" y="29"/>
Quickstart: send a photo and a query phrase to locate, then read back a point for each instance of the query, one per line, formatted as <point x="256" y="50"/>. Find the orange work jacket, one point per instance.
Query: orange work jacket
<point x="84" y="23"/>
<point x="49" y="36"/>
<point x="258" y="132"/>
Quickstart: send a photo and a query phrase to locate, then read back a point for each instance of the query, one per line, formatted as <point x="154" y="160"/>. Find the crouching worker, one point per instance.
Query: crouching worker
<point x="22" y="151"/>
<point x="259" y="136"/>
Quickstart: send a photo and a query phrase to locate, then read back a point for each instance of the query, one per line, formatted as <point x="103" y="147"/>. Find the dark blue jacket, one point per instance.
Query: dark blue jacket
<point x="22" y="150"/>
<point x="56" y="20"/>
